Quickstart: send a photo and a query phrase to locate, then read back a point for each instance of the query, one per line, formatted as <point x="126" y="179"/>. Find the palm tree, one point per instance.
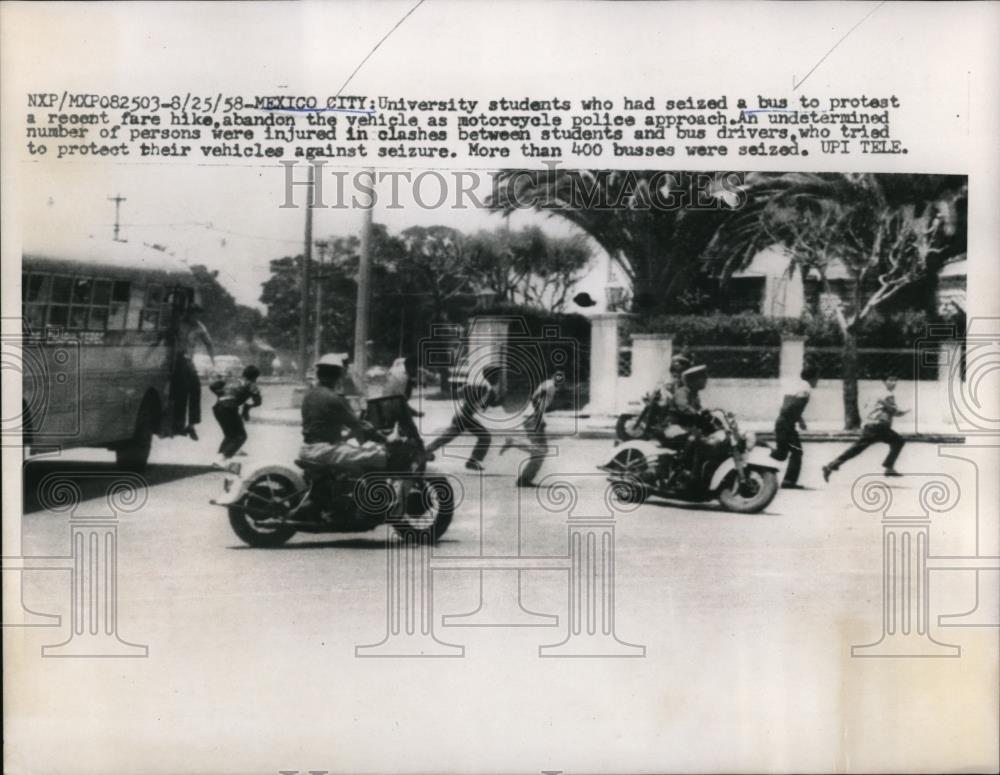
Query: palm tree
<point x="885" y="231"/>
<point x="654" y="224"/>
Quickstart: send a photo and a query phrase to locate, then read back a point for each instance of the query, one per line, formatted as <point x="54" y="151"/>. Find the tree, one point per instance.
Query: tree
<point x="886" y="231"/>
<point x="527" y="266"/>
<point x="226" y="320"/>
<point x="654" y="224"/>
<point x="281" y="293"/>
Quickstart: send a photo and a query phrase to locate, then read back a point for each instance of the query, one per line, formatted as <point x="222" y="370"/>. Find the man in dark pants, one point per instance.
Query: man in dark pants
<point x="185" y="386"/>
<point x="787" y="441"/>
<point x="233" y="395"/>
<point x="878" y="428"/>
<point x="475" y="398"/>
<point x="534" y="425"/>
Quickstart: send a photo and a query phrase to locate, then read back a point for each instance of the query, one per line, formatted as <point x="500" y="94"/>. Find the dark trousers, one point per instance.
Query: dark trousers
<point x="788" y="444"/>
<point x="185" y="391"/>
<point x="537" y="449"/>
<point x="233" y="430"/>
<point x="465" y="422"/>
<point x="872" y="434"/>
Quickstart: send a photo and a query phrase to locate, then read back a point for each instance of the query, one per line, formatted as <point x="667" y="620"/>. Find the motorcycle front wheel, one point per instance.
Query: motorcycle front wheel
<point x="430" y="506"/>
<point x="253" y="517"/>
<point x="630" y="426"/>
<point x="751" y="495"/>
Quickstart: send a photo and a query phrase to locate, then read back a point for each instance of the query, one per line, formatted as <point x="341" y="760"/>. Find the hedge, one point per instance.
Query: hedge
<point x="898" y="330"/>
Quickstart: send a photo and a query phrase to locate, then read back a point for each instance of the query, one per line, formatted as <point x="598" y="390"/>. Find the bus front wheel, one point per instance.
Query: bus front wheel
<point x="132" y="455"/>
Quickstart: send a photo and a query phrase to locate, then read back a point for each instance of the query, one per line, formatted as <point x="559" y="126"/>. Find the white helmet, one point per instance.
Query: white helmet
<point x="332" y="359"/>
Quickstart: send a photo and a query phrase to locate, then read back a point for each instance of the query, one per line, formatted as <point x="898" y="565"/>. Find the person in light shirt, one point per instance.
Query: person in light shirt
<point x="534" y="425"/>
<point x="878" y="427"/>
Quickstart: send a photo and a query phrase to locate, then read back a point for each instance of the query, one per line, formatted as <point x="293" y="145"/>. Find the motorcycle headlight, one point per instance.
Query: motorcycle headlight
<point x="750" y="440"/>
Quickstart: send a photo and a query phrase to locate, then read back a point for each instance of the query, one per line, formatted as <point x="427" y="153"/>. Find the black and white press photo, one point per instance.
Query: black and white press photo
<point x="435" y="387"/>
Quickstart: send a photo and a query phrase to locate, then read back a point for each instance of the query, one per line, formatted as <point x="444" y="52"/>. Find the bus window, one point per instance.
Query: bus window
<point x="135" y="308"/>
<point x="150" y="319"/>
<point x="154" y="296"/>
<point x="58" y="315"/>
<point x="119" y="306"/>
<point x="102" y="293"/>
<point x="34" y="316"/>
<point x="82" y="291"/>
<point x="78" y="317"/>
<point x="34" y="294"/>
<point x="62" y="288"/>
<point x="37" y="287"/>
<point x="62" y="291"/>
<point x="98" y="319"/>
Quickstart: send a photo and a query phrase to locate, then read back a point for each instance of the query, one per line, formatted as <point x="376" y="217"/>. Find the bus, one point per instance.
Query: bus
<point x="98" y="350"/>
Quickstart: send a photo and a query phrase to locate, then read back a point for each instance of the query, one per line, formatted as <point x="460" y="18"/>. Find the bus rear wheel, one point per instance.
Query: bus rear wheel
<point x="133" y="454"/>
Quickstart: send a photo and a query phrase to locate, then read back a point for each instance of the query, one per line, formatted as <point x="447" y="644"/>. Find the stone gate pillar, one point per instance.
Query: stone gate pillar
<point x="792" y="359"/>
<point x="651" y="354"/>
<point x="487" y="344"/>
<point x="604" y="363"/>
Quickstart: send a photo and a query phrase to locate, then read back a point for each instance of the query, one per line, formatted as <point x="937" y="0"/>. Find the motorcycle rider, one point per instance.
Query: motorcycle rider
<point x="664" y="395"/>
<point x="328" y="420"/>
<point x="685" y="419"/>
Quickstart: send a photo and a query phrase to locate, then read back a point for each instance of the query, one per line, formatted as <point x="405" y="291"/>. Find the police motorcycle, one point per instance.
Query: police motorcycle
<point x="270" y="502"/>
<point x="733" y="468"/>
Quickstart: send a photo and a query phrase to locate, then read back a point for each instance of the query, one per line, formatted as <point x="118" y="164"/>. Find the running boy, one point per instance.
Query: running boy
<point x="877" y="428"/>
<point x="235" y="396"/>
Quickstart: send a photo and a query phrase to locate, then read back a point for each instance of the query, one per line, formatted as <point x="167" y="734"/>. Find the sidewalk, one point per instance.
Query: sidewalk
<point x="437" y="415"/>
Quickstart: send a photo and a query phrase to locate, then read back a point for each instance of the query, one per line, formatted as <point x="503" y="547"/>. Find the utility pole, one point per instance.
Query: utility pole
<point x="321" y="246"/>
<point x="117" y="199"/>
<point x="364" y="286"/>
<point x="306" y="261"/>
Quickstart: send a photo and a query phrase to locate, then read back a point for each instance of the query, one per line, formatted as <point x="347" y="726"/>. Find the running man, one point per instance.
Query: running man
<point x="786" y="436"/>
<point x="878" y="428"/>
<point x="534" y="425"/>
<point x="475" y="397"/>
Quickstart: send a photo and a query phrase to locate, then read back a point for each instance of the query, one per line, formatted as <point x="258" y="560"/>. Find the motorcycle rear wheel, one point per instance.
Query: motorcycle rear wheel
<point x="752" y="495"/>
<point x="429" y="510"/>
<point x="265" y="500"/>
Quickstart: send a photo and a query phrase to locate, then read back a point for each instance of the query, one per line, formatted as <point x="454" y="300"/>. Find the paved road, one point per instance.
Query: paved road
<point x="747" y="622"/>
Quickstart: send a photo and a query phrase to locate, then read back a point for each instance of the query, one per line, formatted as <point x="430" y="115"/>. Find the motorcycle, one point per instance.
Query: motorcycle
<point x="270" y="502"/>
<point x="639" y="426"/>
<point x="733" y="468"/>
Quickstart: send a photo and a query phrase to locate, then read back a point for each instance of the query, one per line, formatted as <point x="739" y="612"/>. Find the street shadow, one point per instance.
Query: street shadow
<point x="93" y="478"/>
<point x="710" y="508"/>
<point x="339" y="543"/>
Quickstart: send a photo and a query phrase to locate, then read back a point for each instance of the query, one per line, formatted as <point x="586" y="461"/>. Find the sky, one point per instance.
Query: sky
<point x="230" y="218"/>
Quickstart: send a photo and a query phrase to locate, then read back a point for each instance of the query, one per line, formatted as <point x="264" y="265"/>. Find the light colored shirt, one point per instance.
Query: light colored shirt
<point x="794" y="402"/>
<point x="883" y="409"/>
<point x="542" y="397"/>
